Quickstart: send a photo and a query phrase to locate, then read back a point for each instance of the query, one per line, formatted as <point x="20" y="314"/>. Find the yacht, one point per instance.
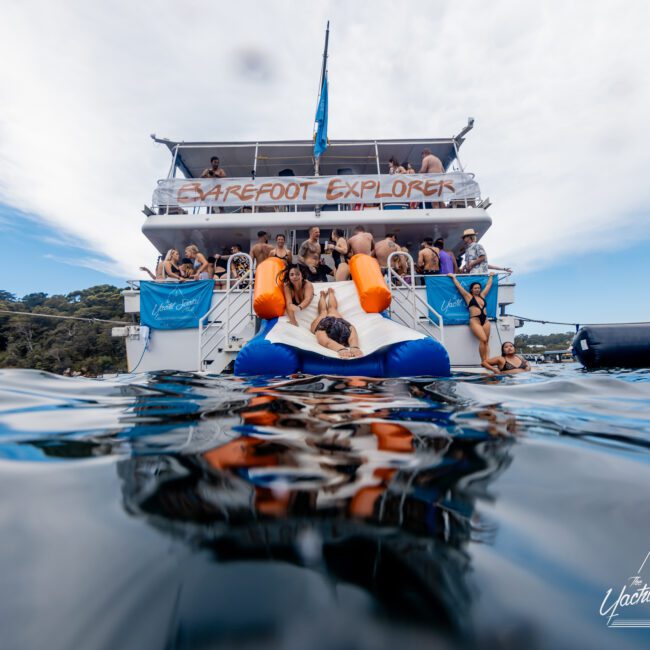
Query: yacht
<point x="280" y="187"/>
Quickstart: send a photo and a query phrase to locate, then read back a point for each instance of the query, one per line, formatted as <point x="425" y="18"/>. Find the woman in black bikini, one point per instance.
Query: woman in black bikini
<point x="337" y="246"/>
<point x="476" y="303"/>
<point x="332" y="330"/>
<point x="509" y="362"/>
<point x="298" y="290"/>
<point x="220" y="268"/>
<point x="281" y="251"/>
<point x="170" y="270"/>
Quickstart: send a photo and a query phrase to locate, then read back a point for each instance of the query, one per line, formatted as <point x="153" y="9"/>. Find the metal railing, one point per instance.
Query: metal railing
<point x="407" y="305"/>
<point x="219" y="326"/>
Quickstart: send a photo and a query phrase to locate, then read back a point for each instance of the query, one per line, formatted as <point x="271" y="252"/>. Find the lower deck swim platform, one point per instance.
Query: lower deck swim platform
<point x="389" y="349"/>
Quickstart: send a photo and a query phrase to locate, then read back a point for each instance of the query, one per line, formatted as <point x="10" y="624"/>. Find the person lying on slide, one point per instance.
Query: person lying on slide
<point x="332" y="330"/>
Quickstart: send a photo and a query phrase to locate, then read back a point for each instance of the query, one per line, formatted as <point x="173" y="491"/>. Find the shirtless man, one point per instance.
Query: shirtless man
<point x="428" y="258"/>
<point x="361" y="242"/>
<point x="384" y="248"/>
<point x="214" y="171"/>
<point x="310" y="246"/>
<point x="262" y="249"/>
<point x="431" y="164"/>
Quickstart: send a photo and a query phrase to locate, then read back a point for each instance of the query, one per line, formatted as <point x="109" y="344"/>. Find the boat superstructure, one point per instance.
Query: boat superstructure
<point x="276" y="187"/>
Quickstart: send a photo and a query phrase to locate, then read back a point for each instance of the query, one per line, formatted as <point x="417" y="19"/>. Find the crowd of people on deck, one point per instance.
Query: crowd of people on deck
<point x="309" y="266"/>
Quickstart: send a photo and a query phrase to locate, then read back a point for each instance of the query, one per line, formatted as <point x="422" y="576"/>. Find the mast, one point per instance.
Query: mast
<point x="321" y="88"/>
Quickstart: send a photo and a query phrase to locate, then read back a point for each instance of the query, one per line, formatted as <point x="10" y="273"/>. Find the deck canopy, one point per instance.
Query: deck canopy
<point x="296" y="157"/>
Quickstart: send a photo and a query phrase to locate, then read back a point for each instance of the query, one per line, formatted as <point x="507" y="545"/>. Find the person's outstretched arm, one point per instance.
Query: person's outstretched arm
<point x="492" y="364"/>
<point x="324" y="340"/>
<point x="488" y="286"/>
<point x="353" y="342"/>
<point x="461" y="289"/>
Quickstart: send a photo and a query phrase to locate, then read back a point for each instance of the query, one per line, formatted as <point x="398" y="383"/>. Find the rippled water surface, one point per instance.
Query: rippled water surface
<point x="179" y="511"/>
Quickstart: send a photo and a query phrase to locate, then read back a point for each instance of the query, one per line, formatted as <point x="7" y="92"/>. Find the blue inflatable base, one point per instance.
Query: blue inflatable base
<point x="423" y="357"/>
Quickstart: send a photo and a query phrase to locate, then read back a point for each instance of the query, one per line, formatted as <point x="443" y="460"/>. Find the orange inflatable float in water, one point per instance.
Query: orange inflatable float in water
<point x="268" y="298"/>
<point x="371" y="286"/>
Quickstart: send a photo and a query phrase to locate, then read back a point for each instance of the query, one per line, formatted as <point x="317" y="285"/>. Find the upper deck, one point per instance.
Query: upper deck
<point x="278" y="185"/>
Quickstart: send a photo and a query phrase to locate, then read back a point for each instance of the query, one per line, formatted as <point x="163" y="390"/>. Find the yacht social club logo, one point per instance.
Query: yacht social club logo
<point x="632" y="600"/>
<point x="176" y="303"/>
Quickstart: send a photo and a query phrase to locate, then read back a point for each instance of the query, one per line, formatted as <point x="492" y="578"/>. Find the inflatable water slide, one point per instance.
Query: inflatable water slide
<point x="389" y="349"/>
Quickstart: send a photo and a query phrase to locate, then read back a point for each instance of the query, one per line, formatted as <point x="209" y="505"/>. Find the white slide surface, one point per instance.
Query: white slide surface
<point x="374" y="330"/>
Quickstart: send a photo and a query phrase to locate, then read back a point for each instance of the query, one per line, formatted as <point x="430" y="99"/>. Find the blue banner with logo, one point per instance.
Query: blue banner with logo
<point x="443" y="296"/>
<point x="174" y="306"/>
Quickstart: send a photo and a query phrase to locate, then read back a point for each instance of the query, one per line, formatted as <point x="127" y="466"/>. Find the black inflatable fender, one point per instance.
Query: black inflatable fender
<point x="617" y="345"/>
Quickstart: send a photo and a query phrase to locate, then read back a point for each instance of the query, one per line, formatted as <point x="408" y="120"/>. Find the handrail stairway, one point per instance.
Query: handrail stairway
<point x="219" y="327"/>
<point x="407" y="307"/>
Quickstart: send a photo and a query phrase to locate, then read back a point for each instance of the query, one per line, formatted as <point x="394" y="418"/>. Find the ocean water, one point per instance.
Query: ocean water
<point x="171" y="510"/>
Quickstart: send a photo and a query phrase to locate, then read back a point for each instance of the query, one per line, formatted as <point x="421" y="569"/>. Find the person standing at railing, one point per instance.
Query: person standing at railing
<point x="311" y="245"/>
<point x="198" y="261"/>
<point x="447" y="259"/>
<point x="262" y="249"/>
<point x="239" y="267"/>
<point x="401" y="265"/>
<point x="337" y="247"/>
<point x="384" y="248"/>
<point x="431" y="165"/>
<point x="281" y="251"/>
<point x="170" y="270"/>
<point x="213" y="171"/>
<point x="361" y="242"/>
<point x="476" y="261"/>
<point x="394" y="167"/>
<point x="428" y="258"/>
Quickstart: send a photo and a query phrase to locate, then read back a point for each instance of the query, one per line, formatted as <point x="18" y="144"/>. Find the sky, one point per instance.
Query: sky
<point x="560" y="92"/>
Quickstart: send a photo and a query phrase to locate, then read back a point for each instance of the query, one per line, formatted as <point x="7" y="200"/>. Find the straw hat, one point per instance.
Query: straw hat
<point x="469" y="232"/>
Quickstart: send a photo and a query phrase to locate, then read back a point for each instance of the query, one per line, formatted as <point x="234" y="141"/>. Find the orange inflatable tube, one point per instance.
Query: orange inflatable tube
<point x="268" y="296"/>
<point x="371" y="286"/>
<point x="392" y="436"/>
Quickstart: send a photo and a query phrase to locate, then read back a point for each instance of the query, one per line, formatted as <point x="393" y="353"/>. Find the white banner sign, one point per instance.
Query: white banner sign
<point x="309" y="190"/>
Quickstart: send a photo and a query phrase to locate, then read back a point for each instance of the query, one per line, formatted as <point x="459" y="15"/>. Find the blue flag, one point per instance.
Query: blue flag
<point x="320" y="144"/>
<point x="443" y="296"/>
<point x="174" y="306"/>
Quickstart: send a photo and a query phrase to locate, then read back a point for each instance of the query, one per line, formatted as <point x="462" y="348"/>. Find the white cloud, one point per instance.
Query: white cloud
<point x="560" y="92"/>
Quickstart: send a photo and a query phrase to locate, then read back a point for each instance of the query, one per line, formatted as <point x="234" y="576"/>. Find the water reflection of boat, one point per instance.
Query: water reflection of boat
<point x="380" y="501"/>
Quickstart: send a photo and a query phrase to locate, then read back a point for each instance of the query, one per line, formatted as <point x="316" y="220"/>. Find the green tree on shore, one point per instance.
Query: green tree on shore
<point x="58" y="345"/>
